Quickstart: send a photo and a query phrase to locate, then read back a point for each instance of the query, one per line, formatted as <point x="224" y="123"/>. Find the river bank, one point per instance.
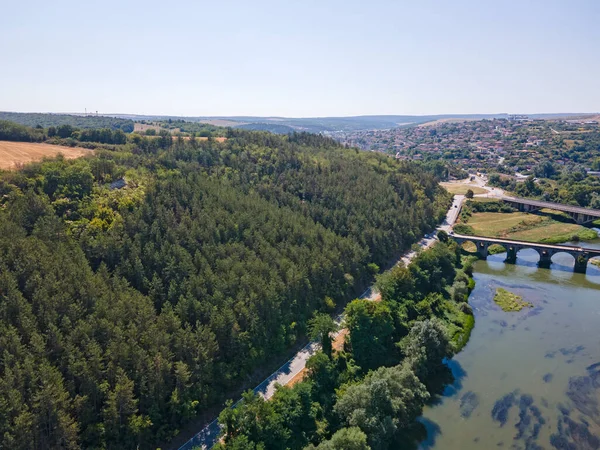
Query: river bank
<point x="526" y="379"/>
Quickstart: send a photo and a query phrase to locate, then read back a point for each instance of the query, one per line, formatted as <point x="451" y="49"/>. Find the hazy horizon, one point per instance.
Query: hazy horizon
<point x="271" y="116"/>
<point x="298" y="60"/>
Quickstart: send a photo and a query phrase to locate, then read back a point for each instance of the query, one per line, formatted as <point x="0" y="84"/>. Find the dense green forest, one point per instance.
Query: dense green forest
<point x="368" y="395"/>
<point x="126" y="312"/>
<point x="11" y="131"/>
<point x="55" y="120"/>
<point x="62" y="135"/>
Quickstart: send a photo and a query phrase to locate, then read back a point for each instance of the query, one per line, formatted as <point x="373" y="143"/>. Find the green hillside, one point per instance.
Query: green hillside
<point x="126" y="311"/>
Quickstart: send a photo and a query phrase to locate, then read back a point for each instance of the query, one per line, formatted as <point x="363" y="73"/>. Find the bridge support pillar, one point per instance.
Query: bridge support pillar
<point x="511" y="255"/>
<point x="581" y="263"/>
<point x="482" y="249"/>
<point x="545" y="259"/>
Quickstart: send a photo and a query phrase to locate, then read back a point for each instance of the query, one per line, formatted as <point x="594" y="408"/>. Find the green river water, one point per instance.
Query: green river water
<point x="530" y="379"/>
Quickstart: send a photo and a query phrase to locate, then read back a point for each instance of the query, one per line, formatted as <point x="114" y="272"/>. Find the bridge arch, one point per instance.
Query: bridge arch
<point x="570" y="257"/>
<point x="469" y="246"/>
<point x="564" y="260"/>
<point x="528" y="251"/>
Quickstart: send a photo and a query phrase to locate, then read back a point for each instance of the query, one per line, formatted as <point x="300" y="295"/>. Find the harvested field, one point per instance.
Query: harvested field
<point x="142" y="127"/>
<point x="15" y="154"/>
<point x="187" y="138"/>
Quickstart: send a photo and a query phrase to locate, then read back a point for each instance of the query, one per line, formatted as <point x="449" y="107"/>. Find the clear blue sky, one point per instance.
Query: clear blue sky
<point x="300" y="58"/>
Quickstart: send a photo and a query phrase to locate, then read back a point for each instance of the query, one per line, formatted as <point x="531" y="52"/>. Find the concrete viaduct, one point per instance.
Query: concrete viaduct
<point x="577" y="213"/>
<point x="512" y="247"/>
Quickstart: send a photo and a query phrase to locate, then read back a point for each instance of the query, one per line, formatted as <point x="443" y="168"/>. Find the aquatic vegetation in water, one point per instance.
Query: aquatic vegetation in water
<point x="502" y="407"/>
<point x="530" y="417"/>
<point x="572" y="435"/>
<point x="583" y="392"/>
<point x="547" y="378"/>
<point x="468" y="402"/>
<point x="510" y="302"/>
<point x="571" y="351"/>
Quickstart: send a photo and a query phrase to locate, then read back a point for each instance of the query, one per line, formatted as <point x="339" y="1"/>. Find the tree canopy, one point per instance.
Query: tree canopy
<point x="369" y="395"/>
<point x="127" y="309"/>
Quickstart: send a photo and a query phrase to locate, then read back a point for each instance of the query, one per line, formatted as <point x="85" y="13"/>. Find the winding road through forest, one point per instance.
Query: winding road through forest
<point x="207" y="437"/>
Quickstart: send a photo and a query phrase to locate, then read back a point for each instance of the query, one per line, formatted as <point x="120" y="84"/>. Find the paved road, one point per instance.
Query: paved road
<point x="452" y="214"/>
<point x="555" y="206"/>
<point x="207" y="437"/>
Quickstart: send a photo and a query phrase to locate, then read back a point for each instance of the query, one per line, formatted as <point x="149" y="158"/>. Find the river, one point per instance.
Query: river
<point x="526" y="380"/>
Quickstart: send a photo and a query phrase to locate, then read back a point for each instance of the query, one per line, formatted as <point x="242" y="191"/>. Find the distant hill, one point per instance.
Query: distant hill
<point x="280" y="125"/>
<point x="271" y="127"/>
<point x="314" y="124"/>
<point x="284" y="125"/>
<point x="54" y="120"/>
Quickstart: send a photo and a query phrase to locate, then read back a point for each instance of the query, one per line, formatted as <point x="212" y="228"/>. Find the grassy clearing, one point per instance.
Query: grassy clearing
<point x="510" y="302"/>
<point x="461" y="188"/>
<point x="497" y="224"/>
<point x="555" y="233"/>
<point x="528" y="227"/>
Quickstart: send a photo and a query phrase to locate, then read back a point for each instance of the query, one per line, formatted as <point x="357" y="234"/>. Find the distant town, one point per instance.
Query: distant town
<point x="513" y="146"/>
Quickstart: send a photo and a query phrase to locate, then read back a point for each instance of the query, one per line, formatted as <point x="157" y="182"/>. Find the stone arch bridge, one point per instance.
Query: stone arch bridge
<point x="582" y="255"/>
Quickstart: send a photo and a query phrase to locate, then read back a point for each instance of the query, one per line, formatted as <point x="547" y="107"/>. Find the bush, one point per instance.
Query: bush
<point x="461" y="228"/>
<point x="373" y="268"/>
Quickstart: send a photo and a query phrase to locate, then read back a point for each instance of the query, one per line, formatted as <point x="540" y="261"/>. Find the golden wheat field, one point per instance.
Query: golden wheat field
<point x="15" y="154"/>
